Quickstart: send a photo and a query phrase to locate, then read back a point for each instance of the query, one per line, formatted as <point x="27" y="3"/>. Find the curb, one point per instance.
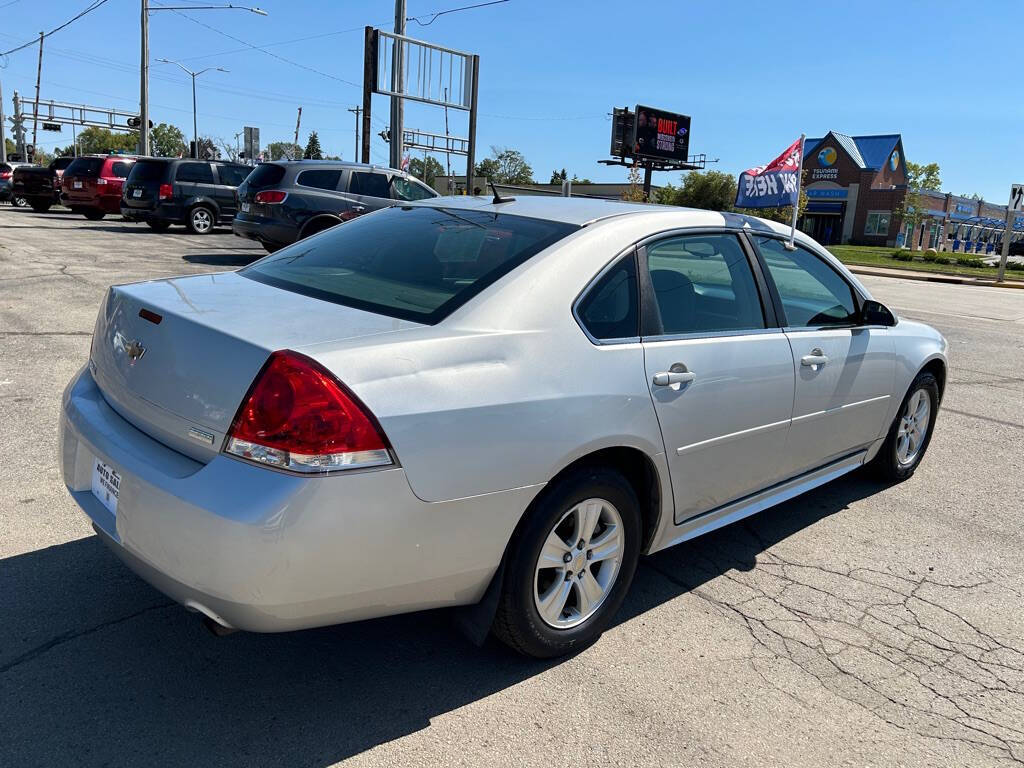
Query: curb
<point x="933" y="277"/>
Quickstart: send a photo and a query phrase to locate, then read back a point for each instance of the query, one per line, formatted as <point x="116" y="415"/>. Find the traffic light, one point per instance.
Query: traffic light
<point x="135" y="122"/>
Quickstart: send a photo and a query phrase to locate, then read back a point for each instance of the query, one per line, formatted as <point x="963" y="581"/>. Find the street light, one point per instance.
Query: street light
<point x="195" y="126"/>
<point x="144" y="84"/>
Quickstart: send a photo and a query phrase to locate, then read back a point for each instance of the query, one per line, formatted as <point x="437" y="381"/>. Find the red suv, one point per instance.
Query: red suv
<point x="92" y="184"/>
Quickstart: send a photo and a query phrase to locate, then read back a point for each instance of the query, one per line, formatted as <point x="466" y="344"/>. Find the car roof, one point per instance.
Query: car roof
<point x="343" y="164"/>
<point x="569" y="210"/>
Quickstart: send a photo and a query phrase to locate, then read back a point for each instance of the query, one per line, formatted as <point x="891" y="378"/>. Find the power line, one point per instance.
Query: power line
<point x="92" y="7"/>
<point x="435" y="16"/>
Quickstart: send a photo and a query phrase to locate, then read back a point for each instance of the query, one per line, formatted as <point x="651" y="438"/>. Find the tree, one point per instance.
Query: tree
<point x="557" y="177"/>
<point x="635" y="193"/>
<point x="99" y="141"/>
<point x="426" y="171"/>
<point x="167" y="141"/>
<point x="505" y="166"/>
<point x="924" y="176"/>
<point x="283" y="150"/>
<point x="313" y="151"/>
<point x="711" y="190"/>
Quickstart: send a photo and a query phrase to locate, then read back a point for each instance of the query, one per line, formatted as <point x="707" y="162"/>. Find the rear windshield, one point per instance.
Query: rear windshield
<point x="61" y="163"/>
<point x="415" y="263"/>
<point x="265" y="175"/>
<point x="85" y="166"/>
<point x="148" y="170"/>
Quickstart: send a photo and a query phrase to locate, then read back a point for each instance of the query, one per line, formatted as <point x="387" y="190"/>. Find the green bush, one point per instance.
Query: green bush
<point x="970" y="261"/>
<point x="931" y="256"/>
<point x="1016" y="266"/>
<point x="903" y="255"/>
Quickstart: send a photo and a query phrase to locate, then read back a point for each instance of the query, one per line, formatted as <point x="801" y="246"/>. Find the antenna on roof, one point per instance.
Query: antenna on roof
<point x="498" y="198"/>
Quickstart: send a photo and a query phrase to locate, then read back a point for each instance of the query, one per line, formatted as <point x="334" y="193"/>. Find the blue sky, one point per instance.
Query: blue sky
<point x="753" y="75"/>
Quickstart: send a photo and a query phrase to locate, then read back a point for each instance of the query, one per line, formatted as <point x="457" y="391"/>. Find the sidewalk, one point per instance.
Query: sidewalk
<point x="933" y="277"/>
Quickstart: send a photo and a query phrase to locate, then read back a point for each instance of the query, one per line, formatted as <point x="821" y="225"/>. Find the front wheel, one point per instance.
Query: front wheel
<point x="158" y="225"/>
<point x="40" y="207"/>
<point x="19" y="202"/>
<point x="200" y="220"/>
<point x="570" y="566"/>
<point x="911" y="431"/>
<point x="93" y="214"/>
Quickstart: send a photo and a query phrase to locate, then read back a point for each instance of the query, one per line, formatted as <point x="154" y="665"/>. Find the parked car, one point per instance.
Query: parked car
<point x="1017" y="247"/>
<point x="463" y="401"/>
<point x="92" y="184"/>
<point x="285" y="201"/>
<point x="38" y="186"/>
<point x="7" y="185"/>
<point x="197" y="193"/>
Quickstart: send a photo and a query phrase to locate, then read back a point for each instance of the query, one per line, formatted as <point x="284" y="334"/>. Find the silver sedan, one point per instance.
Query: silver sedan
<point x="493" y="404"/>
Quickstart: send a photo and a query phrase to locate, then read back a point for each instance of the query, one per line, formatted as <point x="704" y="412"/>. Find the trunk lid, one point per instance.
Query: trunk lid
<point x="181" y="380"/>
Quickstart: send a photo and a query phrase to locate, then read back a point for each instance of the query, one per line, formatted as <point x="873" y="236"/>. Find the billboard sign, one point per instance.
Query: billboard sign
<point x="661" y="135"/>
<point x="622" y="132"/>
<point x="251" y="137"/>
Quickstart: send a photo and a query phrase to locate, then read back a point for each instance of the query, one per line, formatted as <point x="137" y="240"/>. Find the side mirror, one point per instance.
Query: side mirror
<point x="876" y="313"/>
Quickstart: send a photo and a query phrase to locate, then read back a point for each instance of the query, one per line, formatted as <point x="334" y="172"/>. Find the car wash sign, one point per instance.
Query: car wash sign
<point x="773" y="185"/>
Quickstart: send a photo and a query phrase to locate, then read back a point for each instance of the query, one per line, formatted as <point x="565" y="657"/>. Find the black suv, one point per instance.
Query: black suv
<point x="196" y="193"/>
<point x="282" y="202"/>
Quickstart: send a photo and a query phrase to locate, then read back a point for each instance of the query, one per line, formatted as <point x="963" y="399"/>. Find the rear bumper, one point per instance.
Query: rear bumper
<point x="105" y="203"/>
<point x="266" y="551"/>
<point x="263" y="230"/>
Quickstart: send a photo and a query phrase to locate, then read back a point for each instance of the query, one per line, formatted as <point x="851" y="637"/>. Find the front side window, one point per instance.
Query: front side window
<point x="319" y="178"/>
<point x="413" y="262"/>
<point x="877" y="223"/>
<point x="703" y="284"/>
<point x="403" y="189"/>
<point x="609" y="309"/>
<point x="812" y="293"/>
<point x="369" y="184"/>
<point x="199" y="173"/>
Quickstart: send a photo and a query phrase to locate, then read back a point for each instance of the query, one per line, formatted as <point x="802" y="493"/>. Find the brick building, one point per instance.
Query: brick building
<point x="855" y="184"/>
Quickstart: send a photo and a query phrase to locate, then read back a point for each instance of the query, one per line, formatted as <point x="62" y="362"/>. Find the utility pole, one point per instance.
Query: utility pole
<point x="144" y="84"/>
<point x="356" y="111"/>
<point x="398" y="86"/>
<point x="19" y="129"/>
<point x="39" y="74"/>
<point x="471" y="143"/>
<point x="3" y="138"/>
<point x="298" y="120"/>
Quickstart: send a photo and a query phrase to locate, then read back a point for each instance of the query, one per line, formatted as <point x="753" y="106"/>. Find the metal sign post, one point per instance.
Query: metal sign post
<point x="1015" y="206"/>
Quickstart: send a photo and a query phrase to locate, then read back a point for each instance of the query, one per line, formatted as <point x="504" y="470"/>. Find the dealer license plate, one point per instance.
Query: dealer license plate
<point x="106" y="485"/>
<point x="76" y="184"/>
<point x="136" y="193"/>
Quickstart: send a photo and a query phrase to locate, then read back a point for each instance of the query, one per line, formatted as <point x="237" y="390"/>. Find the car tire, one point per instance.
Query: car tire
<point x="540" y="577"/>
<point x="93" y="214"/>
<point x="41" y="207"/>
<point x="159" y="225"/>
<point x="200" y="220"/>
<point x="901" y="453"/>
<point x="318" y="226"/>
<point x="19" y="202"/>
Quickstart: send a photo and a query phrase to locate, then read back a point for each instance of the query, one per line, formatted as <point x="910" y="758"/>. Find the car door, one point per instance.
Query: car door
<point x="229" y="176"/>
<point x="720" y="370"/>
<point x="371" y="190"/>
<point x="195" y="180"/>
<point x="844" y="370"/>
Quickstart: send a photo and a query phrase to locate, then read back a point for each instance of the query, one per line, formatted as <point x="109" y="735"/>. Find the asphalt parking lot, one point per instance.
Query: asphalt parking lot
<point x="856" y="625"/>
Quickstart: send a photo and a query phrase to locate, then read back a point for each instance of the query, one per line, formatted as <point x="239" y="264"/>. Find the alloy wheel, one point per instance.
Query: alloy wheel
<point x="201" y="220"/>
<point x="578" y="564"/>
<point x="913" y="427"/>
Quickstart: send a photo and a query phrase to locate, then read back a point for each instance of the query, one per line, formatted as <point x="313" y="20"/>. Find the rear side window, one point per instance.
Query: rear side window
<point x="120" y="169"/>
<point x="85" y="166"/>
<point x="200" y="173"/>
<point x="369" y="184"/>
<point x="415" y="263"/>
<point x="147" y="170"/>
<point x="265" y="175"/>
<point x="403" y="189"/>
<point x="812" y="293"/>
<point x="703" y="284"/>
<point x="609" y="309"/>
<point x="321" y="179"/>
<point x="232" y="175"/>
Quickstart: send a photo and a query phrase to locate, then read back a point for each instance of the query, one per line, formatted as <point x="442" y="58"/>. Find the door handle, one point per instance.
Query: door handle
<point x="668" y="378"/>
<point x="817" y="357"/>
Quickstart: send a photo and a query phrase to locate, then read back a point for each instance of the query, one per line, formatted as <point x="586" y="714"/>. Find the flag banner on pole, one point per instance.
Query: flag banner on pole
<point x="773" y="185"/>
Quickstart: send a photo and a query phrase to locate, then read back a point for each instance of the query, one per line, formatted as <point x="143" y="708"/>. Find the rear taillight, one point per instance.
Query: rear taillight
<point x="165" y="193"/>
<point x="297" y="416"/>
<point x="270" y="196"/>
<point x="5" y="174"/>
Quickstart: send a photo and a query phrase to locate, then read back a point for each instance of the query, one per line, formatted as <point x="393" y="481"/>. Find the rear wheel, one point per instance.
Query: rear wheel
<point x="93" y="214"/>
<point x="318" y="225"/>
<point x="158" y="225"/>
<point x="18" y="201"/>
<point x="571" y="565"/>
<point x="200" y="220"/>
<point x="40" y="207"/>
<point x="911" y="431"/>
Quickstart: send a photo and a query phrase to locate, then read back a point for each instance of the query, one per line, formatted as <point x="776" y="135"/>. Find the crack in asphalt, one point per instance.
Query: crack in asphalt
<point x="71" y="635"/>
<point x="885" y="642"/>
